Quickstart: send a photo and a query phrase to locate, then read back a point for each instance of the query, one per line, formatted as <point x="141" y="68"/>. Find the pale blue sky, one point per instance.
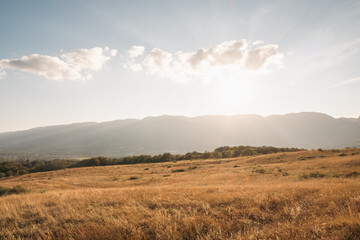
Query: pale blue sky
<point x="317" y="65"/>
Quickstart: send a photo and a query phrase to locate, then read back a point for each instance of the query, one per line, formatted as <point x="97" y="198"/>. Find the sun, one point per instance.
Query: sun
<point x="234" y="95"/>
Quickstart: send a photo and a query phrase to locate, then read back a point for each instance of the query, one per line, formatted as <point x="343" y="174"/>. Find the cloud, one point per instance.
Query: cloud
<point x="136" y="51"/>
<point x="92" y="59"/>
<point x="47" y="66"/>
<point x="261" y="56"/>
<point x="69" y="66"/>
<point x="257" y="42"/>
<point x="132" y="54"/>
<point x="226" y="53"/>
<point x="159" y="62"/>
<point x="204" y="62"/>
<point x="113" y="52"/>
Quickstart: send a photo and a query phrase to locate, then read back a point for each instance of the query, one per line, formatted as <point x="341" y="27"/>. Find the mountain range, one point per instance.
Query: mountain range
<point x="179" y="134"/>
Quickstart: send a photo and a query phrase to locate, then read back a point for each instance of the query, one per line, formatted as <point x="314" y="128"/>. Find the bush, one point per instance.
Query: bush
<point x="22" y="172"/>
<point x="303" y="176"/>
<point x="15" y="190"/>
<point x="259" y="170"/>
<point x="316" y="175"/>
<point x="352" y="174"/>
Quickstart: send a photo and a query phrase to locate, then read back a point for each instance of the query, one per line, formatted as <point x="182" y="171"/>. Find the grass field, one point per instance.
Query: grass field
<point x="300" y="195"/>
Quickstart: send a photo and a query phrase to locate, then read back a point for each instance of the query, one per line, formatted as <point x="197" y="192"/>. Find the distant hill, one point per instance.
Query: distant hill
<point x="178" y="134"/>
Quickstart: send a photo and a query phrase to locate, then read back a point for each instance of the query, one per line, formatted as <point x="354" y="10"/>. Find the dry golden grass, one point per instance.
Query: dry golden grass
<point x="275" y="196"/>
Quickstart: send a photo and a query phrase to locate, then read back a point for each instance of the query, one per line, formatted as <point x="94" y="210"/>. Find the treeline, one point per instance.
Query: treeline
<point x="20" y="167"/>
<point x="14" y="168"/>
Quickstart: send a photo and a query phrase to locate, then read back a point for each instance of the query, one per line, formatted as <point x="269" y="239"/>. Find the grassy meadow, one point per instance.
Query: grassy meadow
<point x="295" y="195"/>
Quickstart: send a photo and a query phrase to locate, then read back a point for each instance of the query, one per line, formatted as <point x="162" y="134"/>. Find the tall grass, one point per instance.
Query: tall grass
<point x="213" y="201"/>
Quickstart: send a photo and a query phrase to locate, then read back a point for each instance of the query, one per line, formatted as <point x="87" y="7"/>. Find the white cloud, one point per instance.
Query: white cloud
<point x="158" y="62"/>
<point x="132" y="54"/>
<point x="70" y="66"/>
<point x="92" y="59"/>
<point x="47" y="66"/>
<point x="257" y="42"/>
<point x="226" y="53"/>
<point x="113" y="52"/>
<point x="203" y="63"/>
<point x="260" y="57"/>
<point x="136" y="51"/>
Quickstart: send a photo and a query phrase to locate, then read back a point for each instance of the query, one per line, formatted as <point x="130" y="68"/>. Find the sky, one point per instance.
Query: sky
<point x="83" y="61"/>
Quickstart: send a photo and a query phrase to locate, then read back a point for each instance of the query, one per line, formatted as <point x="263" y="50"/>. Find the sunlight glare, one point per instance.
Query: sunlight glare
<point x="234" y="95"/>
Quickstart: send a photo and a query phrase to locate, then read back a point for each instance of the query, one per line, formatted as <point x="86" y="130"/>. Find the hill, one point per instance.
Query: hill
<point x="292" y="195"/>
<point x="175" y="134"/>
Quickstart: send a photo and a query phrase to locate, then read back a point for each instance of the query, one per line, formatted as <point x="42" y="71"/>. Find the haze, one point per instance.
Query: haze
<point x="65" y="61"/>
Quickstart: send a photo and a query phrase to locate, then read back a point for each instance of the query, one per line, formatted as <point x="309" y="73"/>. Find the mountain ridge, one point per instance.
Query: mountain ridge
<point x="180" y="134"/>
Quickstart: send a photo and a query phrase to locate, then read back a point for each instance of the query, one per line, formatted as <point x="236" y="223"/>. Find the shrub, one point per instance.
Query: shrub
<point x="15" y="190"/>
<point x="352" y="174"/>
<point x="22" y="172"/>
<point x="316" y="175"/>
<point x="303" y="176"/>
<point x="259" y="170"/>
<point x="177" y="170"/>
<point x="333" y="175"/>
<point x="133" y="178"/>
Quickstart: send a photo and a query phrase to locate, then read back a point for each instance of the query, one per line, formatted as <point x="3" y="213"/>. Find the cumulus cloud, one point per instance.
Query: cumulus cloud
<point x="113" y="52"/>
<point x="47" y="66"/>
<point x="158" y="62"/>
<point x="261" y="56"/>
<point x="136" y="51"/>
<point x="257" y="42"/>
<point x="183" y="66"/>
<point x="131" y="55"/>
<point x="72" y="65"/>
<point x="92" y="59"/>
